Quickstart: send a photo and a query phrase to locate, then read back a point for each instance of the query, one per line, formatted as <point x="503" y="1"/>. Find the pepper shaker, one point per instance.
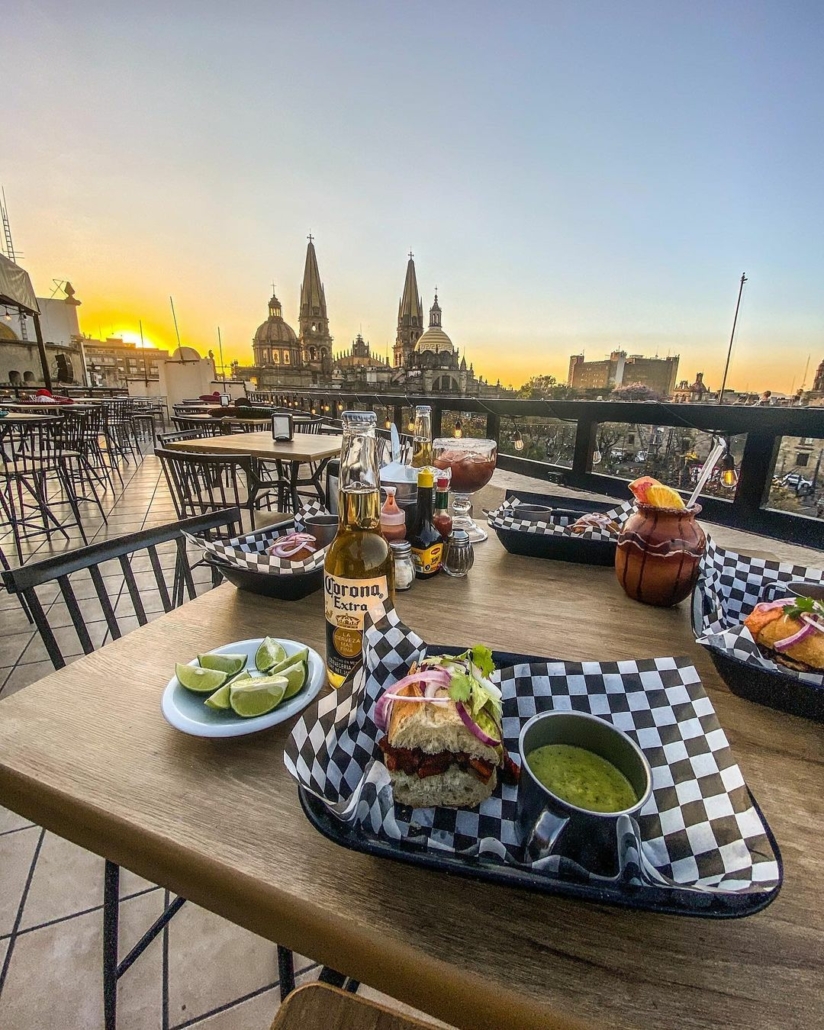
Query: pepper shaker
<point x="460" y="556"/>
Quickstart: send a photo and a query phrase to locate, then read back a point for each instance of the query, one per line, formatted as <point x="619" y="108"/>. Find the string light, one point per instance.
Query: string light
<point x="458" y="433"/>
<point x="596" y="457"/>
<point x="729" y="476"/>
<point x="411" y="426"/>
<point x="388" y="423"/>
<point x="519" y="440"/>
<point x="8" y="315"/>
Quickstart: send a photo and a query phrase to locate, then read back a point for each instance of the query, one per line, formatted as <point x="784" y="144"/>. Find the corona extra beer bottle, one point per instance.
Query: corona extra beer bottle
<point x="358" y="571"/>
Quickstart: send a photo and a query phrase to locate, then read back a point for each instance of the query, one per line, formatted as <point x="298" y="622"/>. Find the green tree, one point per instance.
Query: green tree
<point x="545" y="386"/>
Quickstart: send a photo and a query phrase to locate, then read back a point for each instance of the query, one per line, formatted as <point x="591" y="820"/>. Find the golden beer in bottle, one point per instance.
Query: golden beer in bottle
<point x="358" y="571"/>
<point x="422" y="437"/>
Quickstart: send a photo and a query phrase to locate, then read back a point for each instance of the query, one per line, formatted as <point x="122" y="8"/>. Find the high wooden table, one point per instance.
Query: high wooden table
<point x="86" y="753"/>
<point x="315" y="449"/>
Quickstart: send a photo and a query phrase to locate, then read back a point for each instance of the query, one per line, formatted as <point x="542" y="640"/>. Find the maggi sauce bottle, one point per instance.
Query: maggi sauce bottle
<point x="358" y="571"/>
<point x="427" y="543"/>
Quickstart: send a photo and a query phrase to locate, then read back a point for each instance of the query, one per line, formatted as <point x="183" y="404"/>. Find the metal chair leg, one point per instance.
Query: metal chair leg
<point x="111" y="901"/>
<point x="286" y="971"/>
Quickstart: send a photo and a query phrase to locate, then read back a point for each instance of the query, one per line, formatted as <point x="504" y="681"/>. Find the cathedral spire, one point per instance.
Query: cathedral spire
<point x="312" y="296"/>
<point x="410" y="316"/>
<point x="316" y="343"/>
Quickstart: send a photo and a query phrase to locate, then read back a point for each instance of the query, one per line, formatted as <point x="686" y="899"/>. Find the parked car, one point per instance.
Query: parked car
<point x="795" y="481"/>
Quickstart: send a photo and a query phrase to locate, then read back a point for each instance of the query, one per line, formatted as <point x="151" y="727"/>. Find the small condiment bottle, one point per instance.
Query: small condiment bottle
<point x="459" y="556"/>
<point x="442" y="518"/>
<point x="404" y="569"/>
<point x="427" y="543"/>
<point x="393" y="520"/>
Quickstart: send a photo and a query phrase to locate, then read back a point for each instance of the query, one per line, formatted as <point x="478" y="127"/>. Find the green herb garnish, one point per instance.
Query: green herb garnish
<point x="804" y="606"/>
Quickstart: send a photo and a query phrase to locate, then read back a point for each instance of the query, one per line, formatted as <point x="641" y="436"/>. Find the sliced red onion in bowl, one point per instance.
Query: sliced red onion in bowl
<point x="473" y="727"/>
<point x="813" y="620"/>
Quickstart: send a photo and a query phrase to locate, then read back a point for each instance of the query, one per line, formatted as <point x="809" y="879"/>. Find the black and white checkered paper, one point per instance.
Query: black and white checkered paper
<point x="699" y="830"/>
<point x="506" y="517"/>
<point x="733" y="584"/>
<point x="249" y="551"/>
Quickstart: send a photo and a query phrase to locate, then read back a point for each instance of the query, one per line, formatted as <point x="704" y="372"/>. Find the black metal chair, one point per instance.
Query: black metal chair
<point x="172" y="592"/>
<point x="206" y="426"/>
<point x="178" y="434"/>
<point x="208" y="482"/>
<point x="33" y="461"/>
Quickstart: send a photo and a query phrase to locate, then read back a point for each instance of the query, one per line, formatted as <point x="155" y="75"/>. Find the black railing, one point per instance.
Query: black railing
<point x="748" y="508"/>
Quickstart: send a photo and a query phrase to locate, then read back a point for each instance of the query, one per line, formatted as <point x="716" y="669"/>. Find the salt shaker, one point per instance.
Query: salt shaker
<point x="404" y="569"/>
<point x="459" y="555"/>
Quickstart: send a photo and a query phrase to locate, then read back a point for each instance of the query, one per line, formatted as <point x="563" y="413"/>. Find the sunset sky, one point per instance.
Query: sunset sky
<point x="574" y="176"/>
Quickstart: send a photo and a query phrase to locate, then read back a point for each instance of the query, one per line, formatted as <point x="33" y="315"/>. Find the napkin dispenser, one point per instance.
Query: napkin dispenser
<point x="282" y="427"/>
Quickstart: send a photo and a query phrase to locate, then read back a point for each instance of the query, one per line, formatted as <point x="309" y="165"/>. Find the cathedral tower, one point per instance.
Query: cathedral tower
<point x="315" y="341"/>
<point x="410" y="318"/>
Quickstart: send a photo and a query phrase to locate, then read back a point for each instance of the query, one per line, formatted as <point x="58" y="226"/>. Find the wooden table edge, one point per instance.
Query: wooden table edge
<point x="276" y="917"/>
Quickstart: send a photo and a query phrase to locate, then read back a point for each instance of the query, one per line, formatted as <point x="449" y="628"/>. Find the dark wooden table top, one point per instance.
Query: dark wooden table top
<point x="86" y="753"/>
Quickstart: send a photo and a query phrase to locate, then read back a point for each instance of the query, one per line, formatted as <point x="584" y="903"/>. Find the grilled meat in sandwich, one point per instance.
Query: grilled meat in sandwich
<point x="444" y="744"/>
<point x="790" y="631"/>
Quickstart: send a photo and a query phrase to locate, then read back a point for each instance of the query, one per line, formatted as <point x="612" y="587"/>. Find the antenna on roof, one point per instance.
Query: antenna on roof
<point x="174" y="318"/>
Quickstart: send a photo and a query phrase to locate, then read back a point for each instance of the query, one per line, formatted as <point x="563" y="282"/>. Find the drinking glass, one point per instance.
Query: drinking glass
<point x="471" y="464"/>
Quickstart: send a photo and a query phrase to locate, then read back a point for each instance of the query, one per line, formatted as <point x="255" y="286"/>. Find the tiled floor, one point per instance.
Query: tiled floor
<point x="202" y="971"/>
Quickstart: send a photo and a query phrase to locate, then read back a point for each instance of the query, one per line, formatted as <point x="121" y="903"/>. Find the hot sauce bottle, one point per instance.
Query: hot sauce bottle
<point x="442" y="518"/>
<point x="393" y="520"/>
<point x="427" y="543"/>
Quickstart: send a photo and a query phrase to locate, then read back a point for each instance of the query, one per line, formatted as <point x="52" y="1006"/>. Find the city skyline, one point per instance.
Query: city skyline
<point x="571" y="180"/>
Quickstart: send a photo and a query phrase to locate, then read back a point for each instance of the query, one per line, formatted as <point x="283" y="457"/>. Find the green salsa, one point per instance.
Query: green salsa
<point x="582" y="778"/>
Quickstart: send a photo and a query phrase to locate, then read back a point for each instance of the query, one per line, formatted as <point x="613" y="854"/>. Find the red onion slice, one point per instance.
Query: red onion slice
<point x="812" y="620"/>
<point x="473" y="727"/>
<point x="768" y="606"/>
<point x="425" y="676"/>
<point x="796" y="638"/>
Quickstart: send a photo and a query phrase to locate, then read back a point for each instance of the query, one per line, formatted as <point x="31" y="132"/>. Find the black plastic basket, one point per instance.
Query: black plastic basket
<point x="559" y="548"/>
<point x="763" y="686"/>
<point x="286" y="588"/>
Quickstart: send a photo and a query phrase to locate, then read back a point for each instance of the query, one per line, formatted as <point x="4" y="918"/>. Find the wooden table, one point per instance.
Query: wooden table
<point x="86" y="753"/>
<point x="20" y="406"/>
<point x="23" y="417"/>
<point x="315" y="449"/>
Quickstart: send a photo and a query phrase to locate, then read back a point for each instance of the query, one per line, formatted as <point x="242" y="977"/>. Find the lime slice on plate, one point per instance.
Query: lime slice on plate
<point x="220" y="699"/>
<point x="295" y="676"/>
<point x="258" y="697"/>
<point x="269" y="654"/>
<point x="201" y="681"/>
<point x="231" y="664"/>
<point x="289" y="661"/>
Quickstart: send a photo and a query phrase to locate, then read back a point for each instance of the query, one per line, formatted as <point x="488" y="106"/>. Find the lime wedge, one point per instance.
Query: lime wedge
<point x="258" y="697"/>
<point x="231" y="664"/>
<point x="288" y="662"/>
<point x="201" y="681"/>
<point x="220" y="699"/>
<point x="269" y="654"/>
<point x="295" y="676"/>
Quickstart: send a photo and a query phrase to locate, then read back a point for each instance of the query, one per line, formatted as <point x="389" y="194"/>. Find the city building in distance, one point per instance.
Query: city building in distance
<point x="425" y="360"/>
<point x="622" y="369"/>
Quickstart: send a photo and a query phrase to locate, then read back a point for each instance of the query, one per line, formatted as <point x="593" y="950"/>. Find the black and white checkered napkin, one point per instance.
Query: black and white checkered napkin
<point x="699" y="829"/>
<point x="249" y="551"/>
<point x="733" y="584"/>
<point x="506" y="517"/>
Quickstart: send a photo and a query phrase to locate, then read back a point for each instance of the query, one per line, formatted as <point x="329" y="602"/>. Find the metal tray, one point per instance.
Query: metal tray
<point x="669" y="900"/>
<point x="763" y="686"/>
<point x="559" y="548"/>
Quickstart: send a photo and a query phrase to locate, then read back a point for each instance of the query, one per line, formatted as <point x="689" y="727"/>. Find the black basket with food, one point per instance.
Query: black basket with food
<point x="762" y="622"/>
<point x="550" y="526"/>
<point x="283" y="561"/>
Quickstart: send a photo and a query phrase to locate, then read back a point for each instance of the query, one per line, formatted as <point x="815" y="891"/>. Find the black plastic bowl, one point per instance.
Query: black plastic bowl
<point x="285" y="588"/>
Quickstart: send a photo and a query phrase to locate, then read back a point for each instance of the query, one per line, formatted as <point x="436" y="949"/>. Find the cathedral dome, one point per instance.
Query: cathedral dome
<point x="7" y="333"/>
<point x="274" y="329"/>
<point x="434" y="339"/>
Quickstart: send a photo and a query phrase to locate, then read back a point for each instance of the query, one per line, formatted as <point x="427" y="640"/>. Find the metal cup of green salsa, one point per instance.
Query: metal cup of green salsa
<point x="581" y="780"/>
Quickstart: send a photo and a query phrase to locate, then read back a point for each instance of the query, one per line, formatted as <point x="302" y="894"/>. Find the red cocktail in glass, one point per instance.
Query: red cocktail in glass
<point x="471" y="464"/>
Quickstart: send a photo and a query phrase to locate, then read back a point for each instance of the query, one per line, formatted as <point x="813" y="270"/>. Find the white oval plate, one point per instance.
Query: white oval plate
<point x="188" y="712"/>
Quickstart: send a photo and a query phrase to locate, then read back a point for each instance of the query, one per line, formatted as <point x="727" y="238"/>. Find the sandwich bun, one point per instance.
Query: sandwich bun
<point x="768" y="628"/>
<point x="454" y="788"/>
<point x="434" y="728"/>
